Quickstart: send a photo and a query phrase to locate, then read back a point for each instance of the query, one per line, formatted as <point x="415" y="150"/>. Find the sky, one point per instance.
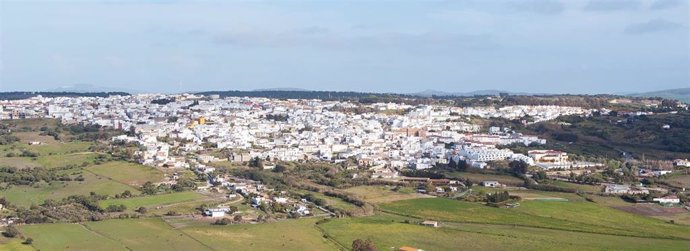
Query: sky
<point x="403" y="46"/>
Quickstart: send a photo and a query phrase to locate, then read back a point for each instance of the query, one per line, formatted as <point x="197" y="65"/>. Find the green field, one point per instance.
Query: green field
<point x="390" y="232"/>
<point x="127" y="173"/>
<point x="155" y="234"/>
<point x="572" y="216"/>
<point x="27" y="195"/>
<point x="14" y="244"/>
<point x="285" y="235"/>
<point x="145" y="234"/>
<point x="680" y="180"/>
<point x="380" y="194"/>
<point x="68" y="237"/>
<point x="154" y="200"/>
<point x="139" y="234"/>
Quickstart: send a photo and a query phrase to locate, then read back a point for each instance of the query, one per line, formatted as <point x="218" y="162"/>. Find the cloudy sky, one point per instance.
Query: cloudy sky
<point x="544" y="46"/>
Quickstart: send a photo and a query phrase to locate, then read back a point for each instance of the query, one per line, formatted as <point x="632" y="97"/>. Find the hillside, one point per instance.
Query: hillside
<point x="682" y="94"/>
<point x="608" y="136"/>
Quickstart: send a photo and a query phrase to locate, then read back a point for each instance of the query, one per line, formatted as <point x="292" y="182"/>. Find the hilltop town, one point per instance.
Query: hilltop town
<point x="194" y="161"/>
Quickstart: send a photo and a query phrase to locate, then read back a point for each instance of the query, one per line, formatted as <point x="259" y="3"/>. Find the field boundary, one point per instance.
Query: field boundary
<point x="102" y="235"/>
<point x="330" y="238"/>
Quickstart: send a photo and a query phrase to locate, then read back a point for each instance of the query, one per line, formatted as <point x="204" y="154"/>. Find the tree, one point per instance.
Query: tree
<point x="11" y="232"/>
<point x="126" y="194"/>
<point x="116" y="208"/>
<point x="518" y="167"/>
<point x="141" y="210"/>
<point x="256" y="162"/>
<point x="363" y="245"/>
<point x="28" y="241"/>
<point x="498" y="197"/>
<point x="237" y="218"/>
<point x="223" y="222"/>
<point x="279" y="168"/>
<point x="148" y="188"/>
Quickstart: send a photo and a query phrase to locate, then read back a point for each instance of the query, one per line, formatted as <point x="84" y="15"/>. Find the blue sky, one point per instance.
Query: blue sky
<point x="544" y="46"/>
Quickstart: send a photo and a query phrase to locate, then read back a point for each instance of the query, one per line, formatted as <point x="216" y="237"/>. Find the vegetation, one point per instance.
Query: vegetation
<point x="569" y="216"/>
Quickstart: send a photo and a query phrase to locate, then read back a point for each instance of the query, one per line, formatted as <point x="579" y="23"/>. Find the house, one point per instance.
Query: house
<point x="429" y="223"/>
<point x="671" y="199"/>
<point x="548" y="156"/>
<point x="302" y="210"/>
<point x="280" y="200"/>
<point x="682" y="162"/>
<point x="491" y="183"/>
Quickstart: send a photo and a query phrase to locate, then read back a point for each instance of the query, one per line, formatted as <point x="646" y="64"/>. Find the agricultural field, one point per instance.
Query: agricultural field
<point x="679" y="180"/>
<point x="154" y="200"/>
<point x="13" y="244"/>
<point x="570" y="216"/>
<point x="578" y="187"/>
<point x="49" y="161"/>
<point x="285" y="235"/>
<point x="333" y="201"/>
<point x="155" y="234"/>
<point x="66" y="236"/>
<point x="382" y="194"/>
<point x="127" y="173"/>
<point x="138" y="234"/>
<point x="477" y="178"/>
<point x="145" y="234"/>
<point x="27" y="195"/>
<point x="390" y="232"/>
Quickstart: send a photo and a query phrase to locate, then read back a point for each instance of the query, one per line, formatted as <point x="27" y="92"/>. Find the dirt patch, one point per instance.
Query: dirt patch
<point x="651" y="210"/>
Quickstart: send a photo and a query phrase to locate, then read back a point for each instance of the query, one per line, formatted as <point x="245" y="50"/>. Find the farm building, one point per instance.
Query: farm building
<point x="491" y="183"/>
<point x="215" y="212"/>
<point x="671" y="199"/>
<point x="430" y="223"/>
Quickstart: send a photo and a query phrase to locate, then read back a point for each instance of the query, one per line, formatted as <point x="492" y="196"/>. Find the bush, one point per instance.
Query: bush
<point x="116" y="208"/>
<point x="222" y="222"/>
<point x="11" y="232"/>
<point x="28" y="241"/>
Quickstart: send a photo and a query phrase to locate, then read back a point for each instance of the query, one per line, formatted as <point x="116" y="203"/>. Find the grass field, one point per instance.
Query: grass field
<point x="145" y="234"/>
<point x="133" y="234"/>
<point x="155" y="234"/>
<point x="285" y="235"/>
<point x="153" y="201"/>
<point x="579" y="187"/>
<point x="48" y="147"/>
<point x="68" y="237"/>
<point x="128" y="173"/>
<point x="680" y="180"/>
<point x="26" y="195"/>
<point x="572" y="216"/>
<point x="14" y="244"/>
<point x="48" y="161"/>
<point x="389" y="232"/>
<point x="380" y="194"/>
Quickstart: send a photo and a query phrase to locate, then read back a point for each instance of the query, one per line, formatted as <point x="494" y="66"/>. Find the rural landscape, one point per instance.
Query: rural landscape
<point x="415" y="125"/>
<point x="89" y="186"/>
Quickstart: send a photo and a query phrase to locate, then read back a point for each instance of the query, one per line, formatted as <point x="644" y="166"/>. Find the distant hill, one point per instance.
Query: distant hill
<point x="25" y="95"/>
<point x="87" y="88"/>
<point x="430" y="93"/>
<point x="682" y="94"/>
